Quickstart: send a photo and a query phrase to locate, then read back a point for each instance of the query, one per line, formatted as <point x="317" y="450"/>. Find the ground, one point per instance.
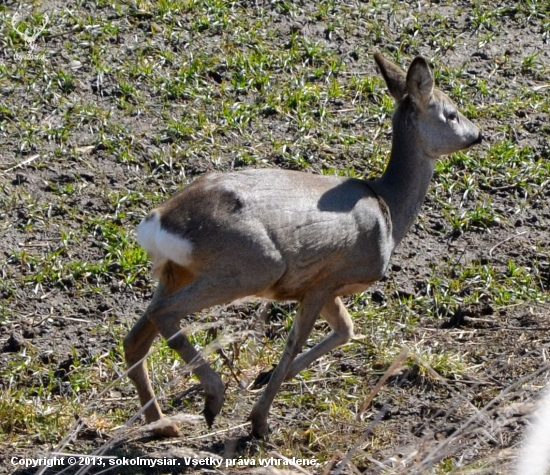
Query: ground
<point x="106" y="108"/>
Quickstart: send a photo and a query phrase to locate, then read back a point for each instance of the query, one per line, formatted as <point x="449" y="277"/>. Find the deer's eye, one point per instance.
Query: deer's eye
<point x="452" y="117"/>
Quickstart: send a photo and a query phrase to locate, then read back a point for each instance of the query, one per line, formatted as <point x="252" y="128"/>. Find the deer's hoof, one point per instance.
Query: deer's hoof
<point x="212" y="406"/>
<point x="260" y="427"/>
<point x="260" y="430"/>
<point x="263" y="378"/>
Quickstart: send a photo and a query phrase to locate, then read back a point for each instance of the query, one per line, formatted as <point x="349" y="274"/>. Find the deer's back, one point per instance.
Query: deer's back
<point x="309" y="227"/>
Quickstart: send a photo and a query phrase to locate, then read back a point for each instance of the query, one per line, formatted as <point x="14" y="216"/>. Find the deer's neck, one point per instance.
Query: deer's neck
<point x="405" y="183"/>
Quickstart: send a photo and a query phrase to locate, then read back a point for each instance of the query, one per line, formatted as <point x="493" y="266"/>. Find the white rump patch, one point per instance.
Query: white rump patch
<point x="162" y="245"/>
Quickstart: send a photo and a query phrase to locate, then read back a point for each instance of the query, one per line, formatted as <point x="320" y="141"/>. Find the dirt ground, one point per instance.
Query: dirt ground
<point x="67" y="190"/>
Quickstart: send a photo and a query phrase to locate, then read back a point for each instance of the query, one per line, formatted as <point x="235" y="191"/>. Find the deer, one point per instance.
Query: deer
<point x="284" y="235"/>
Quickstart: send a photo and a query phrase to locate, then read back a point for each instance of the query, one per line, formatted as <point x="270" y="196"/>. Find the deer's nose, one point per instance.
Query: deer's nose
<point x="478" y="139"/>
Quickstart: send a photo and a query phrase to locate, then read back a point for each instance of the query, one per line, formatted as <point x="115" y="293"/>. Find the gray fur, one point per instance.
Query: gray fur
<point x="287" y="235"/>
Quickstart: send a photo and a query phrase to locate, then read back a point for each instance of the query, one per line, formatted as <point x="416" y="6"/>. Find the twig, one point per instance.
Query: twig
<point x="403" y="355"/>
<point x="222" y="431"/>
<point x="317" y="380"/>
<point x="440" y="450"/>
<point x="23" y="163"/>
<point x="381" y="413"/>
<point x="501" y="188"/>
<point x="453" y="391"/>
<point x="229" y="365"/>
<point x="505" y="240"/>
<point x="74" y="430"/>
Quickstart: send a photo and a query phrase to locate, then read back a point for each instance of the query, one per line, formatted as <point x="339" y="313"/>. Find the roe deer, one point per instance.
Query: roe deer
<point x="286" y="235"/>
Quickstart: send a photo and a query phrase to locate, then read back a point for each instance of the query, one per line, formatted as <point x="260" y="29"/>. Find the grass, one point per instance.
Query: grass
<point x="127" y="102"/>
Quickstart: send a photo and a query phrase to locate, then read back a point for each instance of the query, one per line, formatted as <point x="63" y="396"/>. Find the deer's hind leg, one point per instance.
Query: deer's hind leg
<point x="138" y="342"/>
<point x="136" y="346"/>
<point x="202" y="292"/>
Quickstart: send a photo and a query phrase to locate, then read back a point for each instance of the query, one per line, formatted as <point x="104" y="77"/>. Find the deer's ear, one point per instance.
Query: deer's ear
<point x="420" y="82"/>
<point x="393" y="75"/>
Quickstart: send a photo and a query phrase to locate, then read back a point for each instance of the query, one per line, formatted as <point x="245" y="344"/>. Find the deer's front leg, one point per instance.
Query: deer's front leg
<point x="309" y="309"/>
<point x="336" y="315"/>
